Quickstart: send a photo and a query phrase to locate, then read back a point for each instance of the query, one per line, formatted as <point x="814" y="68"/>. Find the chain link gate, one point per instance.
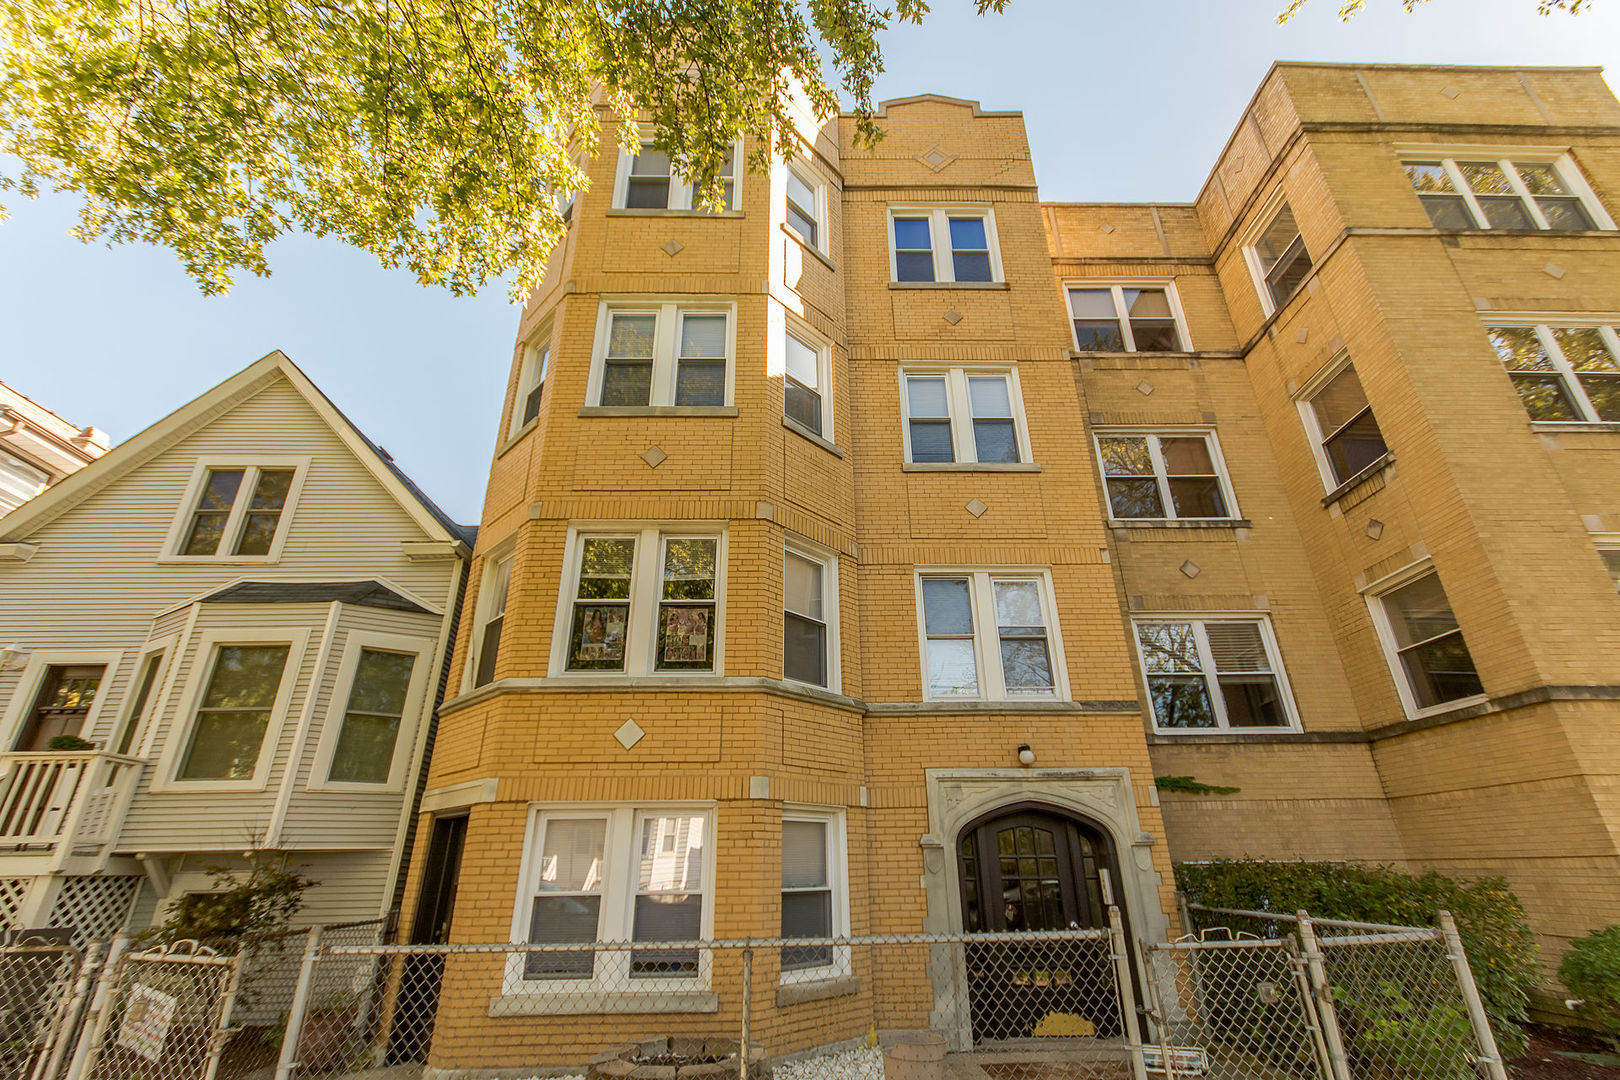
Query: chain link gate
<point x="160" y="1014"/>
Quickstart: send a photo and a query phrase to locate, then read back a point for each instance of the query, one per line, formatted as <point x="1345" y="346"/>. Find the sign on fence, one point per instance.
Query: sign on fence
<point x="146" y="1022"/>
<point x="1185" y="1060"/>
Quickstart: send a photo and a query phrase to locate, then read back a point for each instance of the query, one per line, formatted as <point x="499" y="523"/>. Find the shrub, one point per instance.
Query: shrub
<point x="241" y="909"/>
<point x="1490" y="920"/>
<point x="1591" y="970"/>
<point x="69" y="742"/>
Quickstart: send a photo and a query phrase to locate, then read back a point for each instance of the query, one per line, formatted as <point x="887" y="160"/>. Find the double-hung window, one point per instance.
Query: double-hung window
<point x="362" y="744"/>
<point x="952" y="244"/>
<point x="238" y="510"/>
<point x="616" y="874"/>
<point x="1483" y="191"/>
<point x="963" y="415"/>
<point x="805" y="384"/>
<point x="1611" y="563"/>
<point x="492" y="604"/>
<point x="1168" y="476"/>
<point x="135" y="719"/>
<point x="1563" y="373"/>
<point x="1126" y="318"/>
<point x="641" y="601"/>
<point x="1212" y="674"/>
<point x="806" y="207"/>
<point x="1424" y="644"/>
<point x="988" y="635"/>
<point x="1278" y="259"/>
<point x="809" y="616"/>
<point x="647" y="181"/>
<point x="814" y="898"/>
<point x="243" y="696"/>
<point x="1344" y="433"/>
<point x="663" y="354"/>
<point x="532" y="380"/>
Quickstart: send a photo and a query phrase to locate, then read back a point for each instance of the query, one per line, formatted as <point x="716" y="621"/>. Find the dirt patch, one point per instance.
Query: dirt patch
<point x="1549" y="1058"/>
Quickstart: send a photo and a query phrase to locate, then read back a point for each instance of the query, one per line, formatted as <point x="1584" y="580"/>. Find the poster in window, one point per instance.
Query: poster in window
<point x="686" y="635"/>
<point x="599" y="634"/>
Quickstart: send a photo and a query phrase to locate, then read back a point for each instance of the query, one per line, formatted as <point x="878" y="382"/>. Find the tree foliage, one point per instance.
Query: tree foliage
<point x="1348" y="8"/>
<point x="240" y="908"/>
<point x="1591" y="971"/>
<point x="437" y="134"/>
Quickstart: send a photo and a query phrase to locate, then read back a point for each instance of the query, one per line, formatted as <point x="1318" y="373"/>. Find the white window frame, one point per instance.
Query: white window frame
<point x="1251" y="256"/>
<point x="680" y="189"/>
<point x="485" y="610"/>
<point x="837" y="881"/>
<point x="532" y="374"/>
<point x="1160" y="471"/>
<point x="666" y="343"/>
<point x="828" y="560"/>
<point x="1374" y="594"/>
<point x="140" y="726"/>
<point x="32" y="678"/>
<point x="337" y="704"/>
<point x="1313" y="430"/>
<point x="204" y="655"/>
<point x="646" y="580"/>
<point x="1606" y="548"/>
<point x="1117" y="287"/>
<point x="616" y="917"/>
<point x="251" y="465"/>
<point x="1558" y="158"/>
<point x="961" y="409"/>
<point x="818" y="189"/>
<point x="1609" y="331"/>
<point x="986" y="632"/>
<point x="1206" y="662"/>
<point x="939" y="232"/>
<point x="785" y="323"/>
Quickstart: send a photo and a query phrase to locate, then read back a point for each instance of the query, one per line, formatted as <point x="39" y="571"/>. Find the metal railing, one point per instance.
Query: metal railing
<point x="60" y="800"/>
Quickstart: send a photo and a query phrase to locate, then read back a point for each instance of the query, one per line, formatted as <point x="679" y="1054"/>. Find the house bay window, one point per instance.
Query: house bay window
<point x="621" y="874"/>
<point x="369" y="734"/>
<point x="640" y="602"/>
<point x="804" y="397"/>
<point x="1164" y="476"/>
<point x="987" y="636"/>
<point x="648" y="181"/>
<point x="235" y="712"/>
<point x="1486" y="192"/>
<point x="814" y="901"/>
<point x="1212" y="674"/>
<point x="492" y="604"/>
<point x="663" y="354"/>
<point x="1344" y="433"/>
<point x="1278" y="259"/>
<point x="808" y="607"/>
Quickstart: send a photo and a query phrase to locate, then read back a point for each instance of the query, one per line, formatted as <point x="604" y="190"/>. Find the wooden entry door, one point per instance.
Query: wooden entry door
<point x="1031" y="870"/>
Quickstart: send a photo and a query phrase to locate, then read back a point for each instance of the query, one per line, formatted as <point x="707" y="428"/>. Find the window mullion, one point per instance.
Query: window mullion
<point x="1206" y="660"/>
<point x="961" y="406"/>
<point x="1161" y="475"/>
<point x="1566" y="371"/>
<point x="237" y="521"/>
<point x="1120" y="313"/>
<point x="640" y="631"/>
<point x="1516" y="182"/>
<point x="987" y="638"/>
<point x="940" y="237"/>
<point x="619" y="886"/>
<point x="665" y="334"/>
<point x="1462" y="188"/>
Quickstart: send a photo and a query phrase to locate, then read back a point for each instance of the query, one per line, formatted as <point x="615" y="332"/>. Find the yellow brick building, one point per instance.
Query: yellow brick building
<point x="834" y="538"/>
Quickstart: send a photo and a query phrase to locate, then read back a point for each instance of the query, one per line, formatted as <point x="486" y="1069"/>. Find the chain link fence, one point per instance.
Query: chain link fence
<point x="1327" y="998"/>
<point x="36" y="1002"/>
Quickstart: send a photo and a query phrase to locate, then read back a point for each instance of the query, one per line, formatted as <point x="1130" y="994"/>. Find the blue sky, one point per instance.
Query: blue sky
<point x="1123" y="102"/>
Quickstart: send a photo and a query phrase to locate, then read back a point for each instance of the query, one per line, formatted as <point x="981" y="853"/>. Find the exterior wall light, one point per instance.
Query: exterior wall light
<point x="1026" y="756"/>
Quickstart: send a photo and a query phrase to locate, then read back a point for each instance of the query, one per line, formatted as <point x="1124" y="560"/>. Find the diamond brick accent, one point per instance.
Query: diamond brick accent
<point x="1375" y="528"/>
<point x="1144" y="388"/>
<point x="1452" y="92"/>
<point x="953" y="316"/>
<point x="977" y="507"/>
<point x="1190" y="568"/>
<point x="1107" y="228"/>
<point x="629" y="733"/>
<point x="1553" y="270"/>
<point x="673" y="248"/>
<point x="654" y="456"/>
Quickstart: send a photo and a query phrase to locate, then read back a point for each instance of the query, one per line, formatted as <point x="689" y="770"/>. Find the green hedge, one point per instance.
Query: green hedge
<point x="1591" y="971"/>
<point x="1490" y="920"/>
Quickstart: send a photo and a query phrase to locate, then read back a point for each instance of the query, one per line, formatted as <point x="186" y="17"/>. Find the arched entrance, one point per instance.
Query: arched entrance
<point x="1030" y="867"/>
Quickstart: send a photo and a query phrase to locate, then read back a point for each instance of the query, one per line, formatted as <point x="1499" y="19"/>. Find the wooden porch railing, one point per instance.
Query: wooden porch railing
<point x="58" y="801"/>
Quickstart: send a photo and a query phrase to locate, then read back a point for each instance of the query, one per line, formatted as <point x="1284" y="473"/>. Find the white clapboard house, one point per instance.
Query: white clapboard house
<point x="226" y="636"/>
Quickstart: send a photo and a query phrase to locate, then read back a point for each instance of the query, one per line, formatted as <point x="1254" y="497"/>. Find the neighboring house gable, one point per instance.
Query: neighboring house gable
<point x="257" y="532"/>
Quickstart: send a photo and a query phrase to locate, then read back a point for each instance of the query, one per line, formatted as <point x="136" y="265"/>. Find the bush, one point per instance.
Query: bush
<point x="241" y="908"/>
<point x="1490" y="920"/>
<point x="1591" y="970"/>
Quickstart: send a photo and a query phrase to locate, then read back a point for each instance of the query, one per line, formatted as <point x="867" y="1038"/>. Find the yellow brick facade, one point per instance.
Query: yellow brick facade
<point x="1520" y="782"/>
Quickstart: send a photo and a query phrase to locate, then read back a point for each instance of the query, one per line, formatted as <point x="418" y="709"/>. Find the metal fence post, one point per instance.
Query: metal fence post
<point x="1323" y="994"/>
<point x="90" y="1034"/>
<point x="1127" y="991"/>
<point x="222" y="1031"/>
<point x="67" y="1019"/>
<point x="747" y="1007"/>
<point x="299" y="1006"/>
<point x="1484" y="1038"/>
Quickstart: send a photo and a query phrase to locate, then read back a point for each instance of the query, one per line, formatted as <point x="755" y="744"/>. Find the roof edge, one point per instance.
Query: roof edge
<point x="939" y="99"/>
